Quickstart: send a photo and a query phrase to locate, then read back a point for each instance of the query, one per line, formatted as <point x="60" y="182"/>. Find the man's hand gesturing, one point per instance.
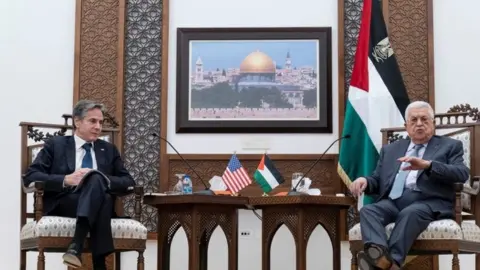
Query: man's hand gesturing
<point x="358" y="186"/>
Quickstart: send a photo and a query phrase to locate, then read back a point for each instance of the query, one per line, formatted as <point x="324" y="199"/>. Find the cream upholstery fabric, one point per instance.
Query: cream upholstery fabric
<point x="441" y="229"/>
<point x="53" y="226"/>
<point x="464" y="137"/>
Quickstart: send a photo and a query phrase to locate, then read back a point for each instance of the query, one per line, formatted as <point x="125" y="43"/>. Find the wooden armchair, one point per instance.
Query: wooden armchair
<point x="447" y="236"/>
<point x="52" y="233"/>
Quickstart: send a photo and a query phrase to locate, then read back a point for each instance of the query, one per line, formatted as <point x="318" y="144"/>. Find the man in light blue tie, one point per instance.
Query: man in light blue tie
<point x="413" y="182"/>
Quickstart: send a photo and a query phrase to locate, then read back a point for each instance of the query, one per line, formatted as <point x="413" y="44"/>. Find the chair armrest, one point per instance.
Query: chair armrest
<point x="457" y="205"/>
<point x="123" y="193"/>
<point x="138" y="190"/>
<point x="38" y="188"/>
<point x="474" y="188"/>
<point x="30" y="188"/>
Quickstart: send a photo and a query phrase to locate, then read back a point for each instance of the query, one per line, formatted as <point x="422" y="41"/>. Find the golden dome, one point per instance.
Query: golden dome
<point x="257" y="62"/>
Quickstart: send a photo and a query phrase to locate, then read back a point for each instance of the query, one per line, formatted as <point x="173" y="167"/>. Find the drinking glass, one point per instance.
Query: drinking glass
<point x="296" y="176"/>
<point x="178" y="188"/>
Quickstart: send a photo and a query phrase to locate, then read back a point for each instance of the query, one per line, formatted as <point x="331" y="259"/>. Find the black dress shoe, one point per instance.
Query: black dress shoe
<point x="73" y="257"/>
<point x="374" y="257"/>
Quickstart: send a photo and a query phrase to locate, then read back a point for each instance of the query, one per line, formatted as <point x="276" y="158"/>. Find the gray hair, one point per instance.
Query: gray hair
<point x="83" y="106"/>
<point x="419" y="105"/>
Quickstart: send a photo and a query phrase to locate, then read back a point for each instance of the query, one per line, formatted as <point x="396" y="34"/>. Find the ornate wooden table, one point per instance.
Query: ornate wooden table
<point x="199" y="215"/>
<point x="300" y="214"/>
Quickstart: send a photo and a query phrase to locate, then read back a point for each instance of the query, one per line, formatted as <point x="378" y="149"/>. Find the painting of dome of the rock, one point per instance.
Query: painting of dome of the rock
<point x="254" y="80"/>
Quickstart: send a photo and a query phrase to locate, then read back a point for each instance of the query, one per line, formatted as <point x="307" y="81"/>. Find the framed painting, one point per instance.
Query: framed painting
<point x="254" y="80"/>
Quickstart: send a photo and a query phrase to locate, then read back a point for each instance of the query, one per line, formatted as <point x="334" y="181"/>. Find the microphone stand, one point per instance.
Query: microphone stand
<point x="294" y="191"/>
<point x="207" y="190"/>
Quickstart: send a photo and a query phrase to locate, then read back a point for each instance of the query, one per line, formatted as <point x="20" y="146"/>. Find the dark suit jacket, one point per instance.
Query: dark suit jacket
<point x="447" y="168"/>
<point x="57" y="159"/>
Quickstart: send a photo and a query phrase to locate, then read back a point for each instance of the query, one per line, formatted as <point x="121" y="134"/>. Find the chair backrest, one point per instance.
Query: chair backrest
<point x="458" y="125"/>
<point x="33" y="136"/>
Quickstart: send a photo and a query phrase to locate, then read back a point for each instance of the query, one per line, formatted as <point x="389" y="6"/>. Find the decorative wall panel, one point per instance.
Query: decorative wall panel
<point x="408" y="24"/>
<point x="142" y="99"/>
<point x="96" y="52"/>
<point x="351" y="28"/>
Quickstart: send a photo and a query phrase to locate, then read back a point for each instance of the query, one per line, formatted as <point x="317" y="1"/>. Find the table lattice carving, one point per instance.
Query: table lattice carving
<point x="199" y="215"/>
<point x="327" y="219"/>
<point x="172" y="221"/>
<point x="142" y="99"/>
<point x="273" y="219"/>
<point x="301" y="215"/>
<point x="209" y="221"/>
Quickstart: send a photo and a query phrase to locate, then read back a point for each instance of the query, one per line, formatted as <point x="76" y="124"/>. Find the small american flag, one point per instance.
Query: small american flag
<point x="235" y="176"/>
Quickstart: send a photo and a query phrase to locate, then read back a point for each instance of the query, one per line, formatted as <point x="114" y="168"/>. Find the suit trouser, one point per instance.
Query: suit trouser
<point x="411" y="213"/>
<point x="93" y="202"/>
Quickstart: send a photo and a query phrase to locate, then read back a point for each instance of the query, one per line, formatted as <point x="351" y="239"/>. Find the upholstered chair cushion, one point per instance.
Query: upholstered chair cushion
<point x="445" y="229"/>
<point x="54" y="226"/>
<point x="464" y="137"/>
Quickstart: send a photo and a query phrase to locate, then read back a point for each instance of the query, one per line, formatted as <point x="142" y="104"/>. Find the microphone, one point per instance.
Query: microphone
<point x="207" y="190"/>
<point x="294" y="191"/>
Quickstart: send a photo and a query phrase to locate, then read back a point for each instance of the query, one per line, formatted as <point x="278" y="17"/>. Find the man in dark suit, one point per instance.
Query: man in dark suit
<point x="414" y="181"/>
<point x="61" y="165"/>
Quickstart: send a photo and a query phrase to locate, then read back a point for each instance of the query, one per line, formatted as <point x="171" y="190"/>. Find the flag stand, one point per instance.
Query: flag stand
<point x="265" y="194"/>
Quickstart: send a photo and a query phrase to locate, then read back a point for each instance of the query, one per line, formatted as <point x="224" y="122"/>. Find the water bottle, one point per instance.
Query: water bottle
<point x="187" y="185"/>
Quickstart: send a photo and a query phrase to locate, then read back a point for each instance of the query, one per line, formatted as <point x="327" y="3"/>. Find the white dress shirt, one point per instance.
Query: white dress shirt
<point x="80" y="153"/>
<point x="411" y="180"/>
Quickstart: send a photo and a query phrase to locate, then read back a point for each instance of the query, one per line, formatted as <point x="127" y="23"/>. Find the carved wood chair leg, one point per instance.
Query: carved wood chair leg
<point x="23" y="260"/>
<point x="140" y="261"/>
<point x="41" y="260"/>
<point x="455" y="262"/>
<point x="477" y="261"/>
<point x="354" y="264"/>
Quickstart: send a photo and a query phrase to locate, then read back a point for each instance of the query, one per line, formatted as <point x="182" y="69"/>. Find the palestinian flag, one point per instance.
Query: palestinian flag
<point x="267" y="176"/>
<point x="377" y="97"/>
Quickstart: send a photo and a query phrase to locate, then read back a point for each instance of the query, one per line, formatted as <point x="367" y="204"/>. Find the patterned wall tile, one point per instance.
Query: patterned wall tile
<point x="142" y="99"/>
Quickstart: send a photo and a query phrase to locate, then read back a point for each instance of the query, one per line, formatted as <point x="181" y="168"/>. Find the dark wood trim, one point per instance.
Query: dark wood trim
<point x="77" y="51"/>
<point x="386" y="13"/>
<point x="431" y="56"/>
<point x="163" y="185"/>
<point x="119" y="115"/>
<point x="152" y="236"/>
<point x="341" y="67"/>
<point x="341" y="98"/>
<point x="23" y="196"/>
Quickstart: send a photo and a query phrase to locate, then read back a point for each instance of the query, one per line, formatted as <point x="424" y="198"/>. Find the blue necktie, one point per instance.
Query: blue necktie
<point x="87" y="161"/>
<point x="399" y="183"/>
